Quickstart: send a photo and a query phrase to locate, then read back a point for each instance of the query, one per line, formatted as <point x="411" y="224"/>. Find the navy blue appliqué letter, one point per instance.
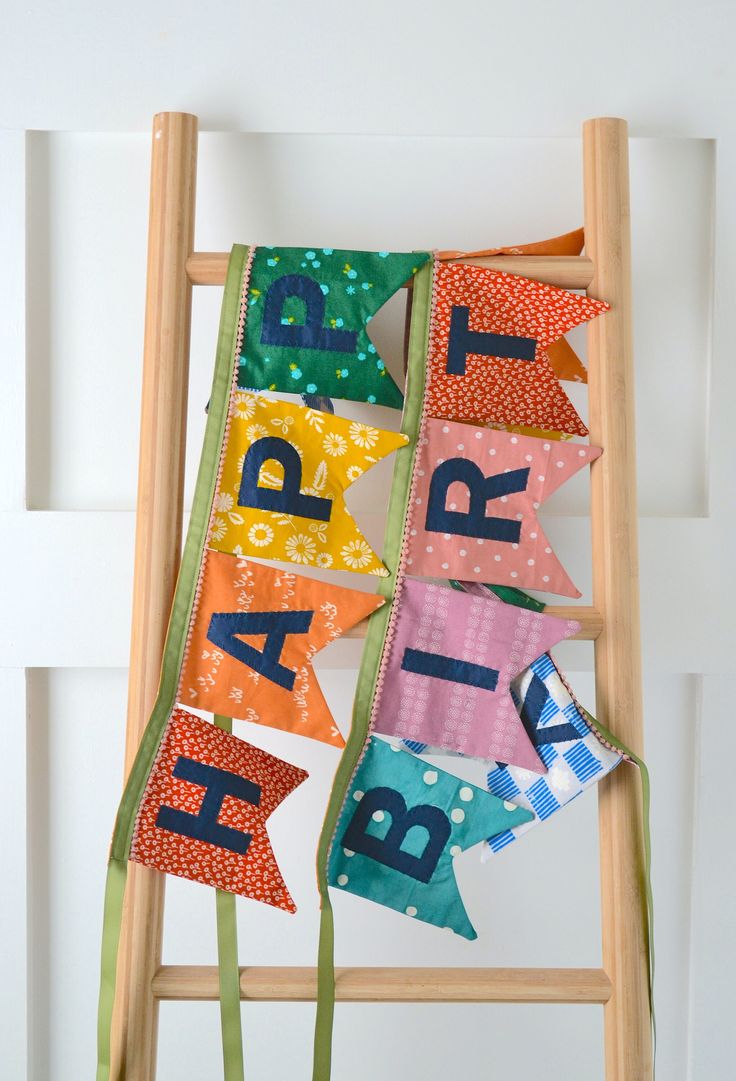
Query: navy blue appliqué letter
<point x="449" y="668"/>
<point x="226" y="626"/>
<point x="288" y="499"/>
<point x="463" y="341"/>
<point x="387" y="850"/>
<point x="217" y="783"/>
<point x="311" y="334"/>
<point x="532" y="708"/>
<point x="481" y="489"/>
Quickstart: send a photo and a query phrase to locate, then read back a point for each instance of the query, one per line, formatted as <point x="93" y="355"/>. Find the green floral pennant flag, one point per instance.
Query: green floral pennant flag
<point x="306" y="320"/>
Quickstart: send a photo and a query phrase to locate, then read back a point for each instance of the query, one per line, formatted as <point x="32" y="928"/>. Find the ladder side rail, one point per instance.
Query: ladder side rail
<point x="616" y="597"/>
<point x="157" y="551"/>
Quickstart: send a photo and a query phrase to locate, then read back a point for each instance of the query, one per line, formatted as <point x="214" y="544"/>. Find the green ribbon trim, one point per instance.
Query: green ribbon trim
<point x="186" y="584"/>
<point x="117" y="874"/>
<point x="377" y="624"/>
<point x="229" y="971"/>
<point x="176" y="638"/>
<point x="646" y="801"/>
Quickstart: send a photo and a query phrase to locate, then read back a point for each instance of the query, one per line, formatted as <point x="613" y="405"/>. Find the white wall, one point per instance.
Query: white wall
<point x="463" y="130"/>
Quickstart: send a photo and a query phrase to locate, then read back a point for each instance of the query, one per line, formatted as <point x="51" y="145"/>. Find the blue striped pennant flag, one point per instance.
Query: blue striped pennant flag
<point x="572" y="752"/>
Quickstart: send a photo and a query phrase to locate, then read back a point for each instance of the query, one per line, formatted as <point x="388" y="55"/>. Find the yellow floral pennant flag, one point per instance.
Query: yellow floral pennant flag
<point x="283" y="474"/>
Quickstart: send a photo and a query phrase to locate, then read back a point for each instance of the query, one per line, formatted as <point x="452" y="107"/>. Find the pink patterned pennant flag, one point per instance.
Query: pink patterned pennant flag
<point x="474" y="506"/>
<point x="450" y="664"/>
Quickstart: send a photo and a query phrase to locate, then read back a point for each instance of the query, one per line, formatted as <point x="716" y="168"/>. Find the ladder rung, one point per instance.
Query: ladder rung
<point x="565" y="271"/>
<point x="590" y="620"/>
<point x="287" y="984"/>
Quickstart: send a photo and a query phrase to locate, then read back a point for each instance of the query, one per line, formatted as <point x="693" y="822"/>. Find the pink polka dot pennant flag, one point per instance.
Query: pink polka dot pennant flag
<point x="450" y="663"/>
<point x="473" y="513"/>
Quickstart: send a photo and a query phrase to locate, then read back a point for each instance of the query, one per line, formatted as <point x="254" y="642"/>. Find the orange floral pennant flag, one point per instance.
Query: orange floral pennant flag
<point x="253" y="636"/>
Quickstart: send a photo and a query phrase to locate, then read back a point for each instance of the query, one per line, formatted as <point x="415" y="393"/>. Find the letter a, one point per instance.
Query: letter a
<point x="226" y="626"/>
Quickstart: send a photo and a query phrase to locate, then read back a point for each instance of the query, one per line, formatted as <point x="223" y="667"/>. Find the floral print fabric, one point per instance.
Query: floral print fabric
<point x="504" y="390"/>
<point x="216" y="680"/>
<point x="332" y="453"/>
<point x="239" y="767"/>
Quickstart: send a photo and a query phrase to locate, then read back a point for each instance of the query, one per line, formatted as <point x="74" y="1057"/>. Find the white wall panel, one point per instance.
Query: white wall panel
<point x="419" y="66"/>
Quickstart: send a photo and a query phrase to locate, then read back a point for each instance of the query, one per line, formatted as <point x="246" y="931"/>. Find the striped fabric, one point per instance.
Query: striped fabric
<point x="573" y="754"/>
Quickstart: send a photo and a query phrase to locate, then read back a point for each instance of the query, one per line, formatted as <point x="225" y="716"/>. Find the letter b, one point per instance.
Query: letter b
<point x="388" y="850"/>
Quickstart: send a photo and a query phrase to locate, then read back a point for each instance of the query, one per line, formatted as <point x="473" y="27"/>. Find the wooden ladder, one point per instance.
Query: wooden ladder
<point x="621" y="986"/>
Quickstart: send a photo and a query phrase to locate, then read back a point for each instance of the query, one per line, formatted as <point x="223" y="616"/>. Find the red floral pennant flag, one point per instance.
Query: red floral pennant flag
<point x="488" y="358"/>
<point x="204" y="810"/>
<point x="474" y="506"/>
<point x="450" y="664"/>
<point x="565" y="362"/>
<point x="252" y="640"/>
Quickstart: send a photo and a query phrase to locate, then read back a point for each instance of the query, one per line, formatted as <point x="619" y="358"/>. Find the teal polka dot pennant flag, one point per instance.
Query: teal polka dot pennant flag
<point x="401" y="826"/>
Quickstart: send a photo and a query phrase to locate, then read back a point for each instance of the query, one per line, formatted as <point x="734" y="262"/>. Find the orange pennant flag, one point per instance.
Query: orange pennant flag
<point x="253" y="636"/>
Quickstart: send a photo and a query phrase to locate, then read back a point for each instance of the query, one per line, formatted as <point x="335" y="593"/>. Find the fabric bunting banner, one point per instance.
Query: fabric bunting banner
<point x="253" y="636"/>
<point x="449" y="669"/>
<point x="306" y="321"/>
<point x="280" y="492"/>
<point x="456" y="671"/>
<point x="401" y="826"/>
<point x="475" y="501"/>
<point x="204" y="811"/>
<point x="488" y="357"/>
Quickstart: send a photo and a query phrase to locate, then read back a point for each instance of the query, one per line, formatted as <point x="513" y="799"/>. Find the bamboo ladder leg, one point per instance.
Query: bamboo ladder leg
<point x="157" y="550"/>
<point x="616" y="597"/>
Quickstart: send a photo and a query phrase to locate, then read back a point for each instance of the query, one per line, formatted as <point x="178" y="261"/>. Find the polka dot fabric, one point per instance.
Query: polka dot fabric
<point x="504" y="390"/>
<point x="529" y="563"/>
<point x="468" y="814"/>
<point x="254" y="874"/>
